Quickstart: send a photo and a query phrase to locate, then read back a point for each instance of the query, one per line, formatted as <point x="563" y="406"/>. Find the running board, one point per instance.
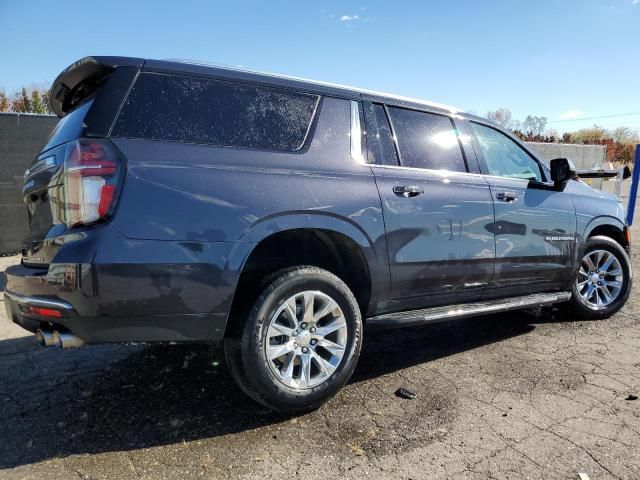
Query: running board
<point x="441" y="314"/>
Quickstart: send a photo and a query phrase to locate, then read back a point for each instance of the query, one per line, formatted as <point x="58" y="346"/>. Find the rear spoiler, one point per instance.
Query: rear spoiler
<point x="82" y="78"/>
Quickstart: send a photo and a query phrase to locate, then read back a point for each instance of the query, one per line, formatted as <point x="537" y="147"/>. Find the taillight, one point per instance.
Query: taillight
<point x="93" y="171"/>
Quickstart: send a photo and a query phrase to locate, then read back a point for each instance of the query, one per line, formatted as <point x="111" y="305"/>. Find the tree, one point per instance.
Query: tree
<point x="534" y="125"/>
<point x="502" y="117"/>
<point x="593" y="135"/>
<point x="21" y="102"/>
<point x="5" y="104"/>
<point x="624" y="135"/>
<point x="46" y="97"/>
<point x="26" y="100"/>
<point x="37" y="105"/>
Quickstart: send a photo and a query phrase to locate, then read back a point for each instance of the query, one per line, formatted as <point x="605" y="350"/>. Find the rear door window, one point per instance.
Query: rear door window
<point x="197" y="110"/>
<point x="426" y="140"/>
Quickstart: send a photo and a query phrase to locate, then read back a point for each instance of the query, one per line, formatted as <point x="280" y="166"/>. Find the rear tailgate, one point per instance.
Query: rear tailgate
<point x="43" y="194"/>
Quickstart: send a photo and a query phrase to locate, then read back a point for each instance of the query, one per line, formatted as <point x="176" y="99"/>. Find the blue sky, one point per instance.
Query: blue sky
<point x="564" y="59"/>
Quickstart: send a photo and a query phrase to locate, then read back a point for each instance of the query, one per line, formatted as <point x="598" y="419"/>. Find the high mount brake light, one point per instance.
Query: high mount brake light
<point x="92" y="174"/>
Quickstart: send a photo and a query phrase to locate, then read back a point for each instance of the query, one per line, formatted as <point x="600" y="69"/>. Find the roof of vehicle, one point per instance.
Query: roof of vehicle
<point x="94" y="68"/>
<point x="183" y="64"/>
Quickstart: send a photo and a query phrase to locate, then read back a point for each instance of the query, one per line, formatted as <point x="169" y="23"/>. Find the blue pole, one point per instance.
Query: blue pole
<point x="634" y="187"/>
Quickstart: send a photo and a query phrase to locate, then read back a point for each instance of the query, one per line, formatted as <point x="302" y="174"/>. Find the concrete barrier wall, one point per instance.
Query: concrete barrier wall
<point x="584" y="157"/>
<point x="21" y="138"/>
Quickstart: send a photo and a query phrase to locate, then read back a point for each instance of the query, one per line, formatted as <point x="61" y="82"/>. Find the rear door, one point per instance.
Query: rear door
<point x="436" y="211"/>
<point x="535" y="224"/>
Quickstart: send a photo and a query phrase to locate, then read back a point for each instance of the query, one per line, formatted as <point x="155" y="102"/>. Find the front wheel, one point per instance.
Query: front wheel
<point x="300" y="343"/>
<point x="603" y="281"/>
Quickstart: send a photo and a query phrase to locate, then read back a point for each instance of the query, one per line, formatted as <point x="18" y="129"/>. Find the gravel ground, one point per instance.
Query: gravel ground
<point x="518" y="395"/>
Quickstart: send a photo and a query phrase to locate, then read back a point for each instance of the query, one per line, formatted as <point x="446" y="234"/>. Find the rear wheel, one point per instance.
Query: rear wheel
<point x="300" y="343"/>
<point x="603" y="281"/>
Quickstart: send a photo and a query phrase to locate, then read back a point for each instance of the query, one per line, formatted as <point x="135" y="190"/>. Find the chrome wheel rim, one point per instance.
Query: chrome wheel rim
<point x="306" y="340"/>
<point x="600" y="279"/>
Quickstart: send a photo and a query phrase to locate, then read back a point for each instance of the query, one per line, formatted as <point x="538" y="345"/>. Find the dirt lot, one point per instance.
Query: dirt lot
<point x="519" y="395"/>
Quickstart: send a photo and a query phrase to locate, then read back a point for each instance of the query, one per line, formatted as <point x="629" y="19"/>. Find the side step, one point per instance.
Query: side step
<point x="441" y="314"/>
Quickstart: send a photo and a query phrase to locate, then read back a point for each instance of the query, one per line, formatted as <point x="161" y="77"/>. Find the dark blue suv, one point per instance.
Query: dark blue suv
<point x="183" y="202"/>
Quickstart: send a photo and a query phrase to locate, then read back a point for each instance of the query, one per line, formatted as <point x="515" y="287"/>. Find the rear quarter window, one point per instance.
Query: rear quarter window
<point x="196" y="110"/>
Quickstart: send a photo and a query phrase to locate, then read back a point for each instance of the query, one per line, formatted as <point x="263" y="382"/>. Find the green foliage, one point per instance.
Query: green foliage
<point x="37" y="105"/>
<point x="591" y="136"/>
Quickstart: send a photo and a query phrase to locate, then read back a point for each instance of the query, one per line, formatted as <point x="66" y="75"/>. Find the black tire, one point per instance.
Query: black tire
<point x="579" y="307"/>
<point x="246" y="356"/>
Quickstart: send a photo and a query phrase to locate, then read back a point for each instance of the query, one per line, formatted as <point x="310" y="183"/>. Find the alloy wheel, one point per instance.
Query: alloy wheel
<point x="600" y="279"/>
<point x="306" y="339"/>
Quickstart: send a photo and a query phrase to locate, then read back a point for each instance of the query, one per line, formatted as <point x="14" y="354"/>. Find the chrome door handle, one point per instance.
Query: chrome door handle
<point x="408" y="190"/>
<point x="507" y="196"/>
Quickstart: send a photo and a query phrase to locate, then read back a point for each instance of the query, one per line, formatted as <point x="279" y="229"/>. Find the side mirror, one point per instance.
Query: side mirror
<point x="562" y="170"/>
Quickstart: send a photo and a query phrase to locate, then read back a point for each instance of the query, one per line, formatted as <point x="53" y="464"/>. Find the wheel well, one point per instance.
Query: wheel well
<point x="325" y="249"/>
<point x="612" y="232"/>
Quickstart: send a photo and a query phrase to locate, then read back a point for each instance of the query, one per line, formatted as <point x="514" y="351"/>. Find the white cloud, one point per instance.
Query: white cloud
<point x="571" y="114"/>
<point x="349" y="18"/>
<point x="635" y="2"/>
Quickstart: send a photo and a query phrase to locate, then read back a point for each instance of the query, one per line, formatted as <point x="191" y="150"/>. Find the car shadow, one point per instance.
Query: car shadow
<point x="108" y="398"/>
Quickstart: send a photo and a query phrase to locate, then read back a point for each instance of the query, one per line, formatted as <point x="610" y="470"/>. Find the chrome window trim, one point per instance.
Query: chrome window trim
<point x="356" y="133"/>
<point x="440" y="173"/>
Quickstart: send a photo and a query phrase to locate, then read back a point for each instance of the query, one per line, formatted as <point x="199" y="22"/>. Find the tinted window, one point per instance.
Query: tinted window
<point x="194" y="110"/>
<point x="380" y="140"/>
<point x="426" y="140"/>
<point x="503" y="156"/>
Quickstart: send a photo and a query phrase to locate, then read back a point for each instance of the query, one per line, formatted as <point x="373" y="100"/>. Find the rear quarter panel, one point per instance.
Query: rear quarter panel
<point x="199" y="193"/>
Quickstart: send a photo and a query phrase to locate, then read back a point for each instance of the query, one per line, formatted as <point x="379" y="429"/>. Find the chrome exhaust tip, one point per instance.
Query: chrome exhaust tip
<point x="62" y="340"/>
<point x="45" y="338"/>
<point x="66" y="340"/>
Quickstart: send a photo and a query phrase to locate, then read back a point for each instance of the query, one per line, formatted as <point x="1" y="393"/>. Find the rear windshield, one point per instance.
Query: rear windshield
<point x="196" y="110"/>
<point x="70" y="127"/>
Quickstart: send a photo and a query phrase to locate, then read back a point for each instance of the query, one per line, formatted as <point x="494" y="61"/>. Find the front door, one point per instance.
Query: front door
<point x="435" y="212"/>
<point x="535" y="224"/>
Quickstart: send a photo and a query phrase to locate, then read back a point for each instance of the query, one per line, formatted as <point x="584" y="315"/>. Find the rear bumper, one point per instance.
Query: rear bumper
<point x="17" y="309"/>
<point x="141" y="328"/>
<point x="183" y="293"/>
